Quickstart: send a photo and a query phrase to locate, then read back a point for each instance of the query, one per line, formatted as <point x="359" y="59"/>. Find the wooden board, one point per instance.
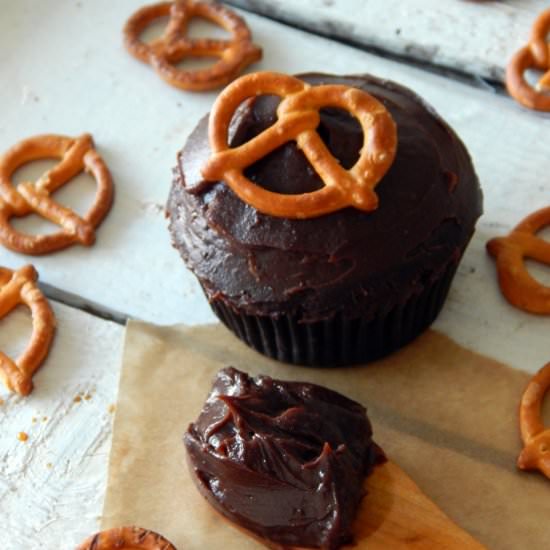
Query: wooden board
<point x="52" y="485"/>
<point x="474" y="37"/>
<point x="396" y="514"/>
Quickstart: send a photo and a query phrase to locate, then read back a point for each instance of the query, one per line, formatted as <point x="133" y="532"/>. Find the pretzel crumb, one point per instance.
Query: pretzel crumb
<point x="297" y="120"/>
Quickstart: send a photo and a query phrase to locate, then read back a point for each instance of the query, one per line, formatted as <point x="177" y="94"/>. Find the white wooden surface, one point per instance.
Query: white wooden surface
<point x="475" y="37"/>
<point x="68" y="73"/>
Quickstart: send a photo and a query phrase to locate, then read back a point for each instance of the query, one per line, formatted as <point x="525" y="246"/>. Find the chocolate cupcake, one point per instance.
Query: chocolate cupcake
<point x="346" y="286"/>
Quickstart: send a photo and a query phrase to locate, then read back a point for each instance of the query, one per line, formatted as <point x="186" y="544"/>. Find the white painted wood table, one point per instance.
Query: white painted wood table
<point x="64" y="70"/>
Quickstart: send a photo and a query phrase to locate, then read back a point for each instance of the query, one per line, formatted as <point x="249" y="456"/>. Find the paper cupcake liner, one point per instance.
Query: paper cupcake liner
<point x="339" y="341"/>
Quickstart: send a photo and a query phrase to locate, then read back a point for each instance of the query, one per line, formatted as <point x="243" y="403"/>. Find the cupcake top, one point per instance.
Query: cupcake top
<point x="283" y="459"/>
<point x="349" y="261"/>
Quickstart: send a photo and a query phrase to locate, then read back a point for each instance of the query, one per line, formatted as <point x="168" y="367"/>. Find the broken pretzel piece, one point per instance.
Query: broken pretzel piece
<point x="126" y="538"/>
<point x="536" y="55"/>
<point x="19" y="287"/>
<point x="536" y="452"/>
<point x="174" y="46"/>
<point x="520" y="288"/>
<point x="76" y="154"/>
<point x="297" y="120"/>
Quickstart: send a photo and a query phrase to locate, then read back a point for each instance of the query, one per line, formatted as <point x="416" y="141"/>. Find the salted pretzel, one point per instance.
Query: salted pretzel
<point x="76" y="154"/>
<point x="126" y="538"/>
<point x="19" y="287"/>
<point x="297" y="119"/>
<point x="536" y="451"/>
<point x="536" y="55"/>
<point x="173" y="46"/>
<point x="518" y="286"/>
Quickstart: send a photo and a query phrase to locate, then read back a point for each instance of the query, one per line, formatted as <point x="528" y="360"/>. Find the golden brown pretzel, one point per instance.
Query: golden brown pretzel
<point x="518" y="286"/>
<point x="76" y="154"/>
<point x="173" y="46"/>
<point x="536" y="452"/>
<point x="536" y="55"/>
<point x="298" y="118"/>
<point x="126" y="538"/>
<point x="19" y="287"/>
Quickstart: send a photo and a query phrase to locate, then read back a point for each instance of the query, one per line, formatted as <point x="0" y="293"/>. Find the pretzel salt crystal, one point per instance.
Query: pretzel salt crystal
<point x="298" y="118"/>
<point x="19" y="287"/>
<point x="519" y="287"/>
<point x="173" y="46"/>
<point x="76" y="154"/>
<point x="536" y="452"/>
<point x="126" y="538"/>
<point x="536" y="55"/>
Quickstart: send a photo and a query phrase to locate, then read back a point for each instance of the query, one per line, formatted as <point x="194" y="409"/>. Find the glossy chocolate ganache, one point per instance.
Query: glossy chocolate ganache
<point x="285" y="460"/>
<point x="350" y="262"/>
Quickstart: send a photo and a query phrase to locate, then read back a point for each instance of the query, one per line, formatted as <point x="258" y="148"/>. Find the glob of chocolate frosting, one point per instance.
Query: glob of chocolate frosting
<point x="285" y="460"/>
<point x="350" y="262"/>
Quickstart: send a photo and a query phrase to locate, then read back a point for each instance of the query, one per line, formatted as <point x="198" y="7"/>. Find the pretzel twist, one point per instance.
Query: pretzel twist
<point x="19" y="287"/>
<point x="76" y="154"/>
<point x="536" y="55"/>
<point x="126" y="538"/>
<point x="298" y="118"/>
<point x="173" y="46"/>
<point x="520" y="288"/>
<point x="536" y="452"/>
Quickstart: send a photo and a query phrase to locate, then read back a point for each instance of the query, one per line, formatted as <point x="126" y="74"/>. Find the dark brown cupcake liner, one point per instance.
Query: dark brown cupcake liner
<point x="338" y="340"/>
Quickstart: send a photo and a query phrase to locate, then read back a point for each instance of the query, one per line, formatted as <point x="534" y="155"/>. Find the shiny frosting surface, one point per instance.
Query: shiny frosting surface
<point x="285" y="460"/>
<point x="351" y="262"/>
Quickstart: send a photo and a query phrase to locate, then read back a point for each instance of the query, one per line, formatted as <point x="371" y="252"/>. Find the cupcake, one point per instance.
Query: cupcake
<point x="339" y="287"/>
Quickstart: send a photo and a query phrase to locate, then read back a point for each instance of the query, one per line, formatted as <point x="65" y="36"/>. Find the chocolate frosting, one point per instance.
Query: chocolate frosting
<point x="350" y="262"/>
<point x="285" y="460"/>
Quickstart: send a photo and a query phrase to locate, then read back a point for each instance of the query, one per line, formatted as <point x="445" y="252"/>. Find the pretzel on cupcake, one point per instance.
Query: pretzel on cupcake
<point x="297" y="119"/>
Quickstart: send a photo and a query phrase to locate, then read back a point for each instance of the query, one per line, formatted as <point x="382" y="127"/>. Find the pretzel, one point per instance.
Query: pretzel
<point x="518" y="286"/>
<point x="126" y="538"/>
<point x="298" y="117"/>
<point x="173" y="46"/>
<point x="19" y="287"/>
<point x="536" y="55"/>
<point x="536" y="451"/>
<point x="76" y="154"/>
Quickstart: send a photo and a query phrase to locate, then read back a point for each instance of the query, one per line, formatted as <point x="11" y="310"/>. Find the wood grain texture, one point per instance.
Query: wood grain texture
<point x="477" y="38"/>
<point x="52" y="484"/>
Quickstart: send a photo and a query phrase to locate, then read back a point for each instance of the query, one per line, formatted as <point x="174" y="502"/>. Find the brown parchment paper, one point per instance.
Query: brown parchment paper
<point x="447" y="416"/>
